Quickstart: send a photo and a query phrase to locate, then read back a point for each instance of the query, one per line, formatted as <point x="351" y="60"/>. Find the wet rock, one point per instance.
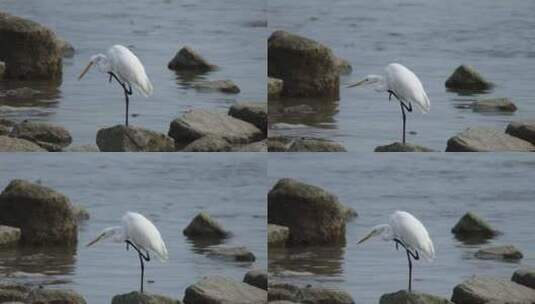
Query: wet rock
<point x="404" y="297"/>
<point x="487" y="140"/>
<point x="135" y="297"/>
<point x="225" y="86"/>
<point x="399" y="147"/>
<point x="471" y="225"/>
<point x="66" y="49"/>
<point x="208" y="143"/>
<point x="525" y="277"/>
<point x="259" y="146"/>
<point x="29" y="50"/>
<point x="507" y="252"/>
<point x="257" y="278"/>
<point x="81" y="148"/>
<point x="465" y="77"/>
<point x="274" y="88"/>
<point x="217" y="289"/>
<point x="491" y="290"/>
<point x="350" y="213"/>
<point x="23" y="92"/>
<point x="251" y="112"/>
<point x="315" y="145"/>
<point x="198" y="123"/>
<point x="44" y="216"/>
<point x="132" y="139"/>
<point x="9" y="144"/>
<point x="7" y="122"/>
<point x="4" y="130"/>
<point x="310" y="295"/>
<point x="188" y="60"/>
<point x="9" y="235"/>
<point x="54" y="296"/>
<point x="494" y="105"/>
<point x="278" y="144"/>
<point x="307" y="67"/>
<point x="2" y="69"/>
<point x="313" y="215"/>
<point x="50" y="137"/>
<point x="277" y="235"/>
<point x="80" y="213"/>
<point x="13" y="292"/>
<point x="522" y="129"/>
<point x="238" y="254"/>
<point x="343" y="66"/>
<point x="204" y="226"/>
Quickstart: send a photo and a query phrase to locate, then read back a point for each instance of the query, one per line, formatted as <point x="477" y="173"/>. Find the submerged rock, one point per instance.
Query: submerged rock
<point x="9" y="235"/>
<point x="487" y="140"/>
<point x="44" y="216"/>
<point x="251" y="112"/>
<point x="506" y="252"/>
<point x="135" y="297"/>
<point x="494" y="105"/>
<point x="309" y="295"/>
<point x="399" y="147"/>
<point x="307" y="67"/>
<point x="274" y="88"/>
<point x="525" y="277"/>
<point x="50" y="137"/>
<point x="30" y="50"/>
<point x="277" y="235"/>
<point x="343" y="66"/>
<point x="471" y="225"/>
<point x="9" y="144"/>
<point x="208" y="143"/>
<point x="404" y="297"/>
<point x="81" y="148"/>
<point x="313" y="215"/>
<point x="522" y="129"/>
<point x="187" y="59"/>
<point x="225" y="86"/>
<point x="121" y="138"/>
<point x="465" y="77"/>
<point x="220" y="290"/>
<point x="54" y="296"/>
<point x="238" y="254"/>
<point x="315" y="145"/>
<point x="257" y="278"/>
<point x="204" y="226"/>
<point x="490" y="290"/>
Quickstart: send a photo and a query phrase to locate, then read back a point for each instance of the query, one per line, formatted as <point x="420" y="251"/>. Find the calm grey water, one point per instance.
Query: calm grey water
<point x="170" y="190"/>
<point x="230" y="34"/>
<point x="430" y="37"/>
<point x="438" y="189"/>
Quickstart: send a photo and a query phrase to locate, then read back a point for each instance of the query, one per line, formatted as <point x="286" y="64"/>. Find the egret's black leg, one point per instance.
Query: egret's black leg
<point x="127" y="101"/>
<point x="142" y="257"/>
<point x="410" y="269"/>
<point x="143" y="271"/>
<point x="126" y="93"/>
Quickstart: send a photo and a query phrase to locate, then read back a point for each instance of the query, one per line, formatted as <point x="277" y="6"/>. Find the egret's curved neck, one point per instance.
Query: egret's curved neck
<point x="385" y="231"/>
<point x="116" y="233"/>
<point x="102" y="62"/>
<point x="378" y="82"/>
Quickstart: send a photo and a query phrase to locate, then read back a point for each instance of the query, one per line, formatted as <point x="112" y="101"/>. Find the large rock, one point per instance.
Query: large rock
<point x="494" y="105"/>
<point x="404" y="297"/>
<point x="4" y="130"/>
<point x="465" y="77"/>
<point x="313" y="215"/>
<point x="54" y="296"/>
<point x="277" y="235"/>
<point x="471" y="225"/>
<point x="483" y="290"/>
<point x="9" y="144"/>
<point x="505" y="252"/>
<point x="399" y="147"/>
<point x="50" y="137"/>
<point x="525" y="277"/>
<point x="208" y="143"/>
<point x="307" y="67"/>
<point x="274" y="88"/>
<point x="315" y="145"/>
<point x="238" y="254"/>
<point x="225" y="86"/>
<point x="257" y="278"/>
<point x="187" y="59"/>
<point x="29" y="50"/>
<point x="487" y="140"/>
<point x="204" y="226"/>
<point x="66" y="49"/>
<point x="13" y="293"/>
<point x="135" y="297"/>
<point x="259" y="146"/>
<point x="522" y="129"/>
<point x="198" y="123"/>
<point x="9" y="235"/>
<point x="121" y="138"/>
<point x="279" y="143"/>
<point x="251" y="112"/>
<point x="44" y="216"/>
<point x="220" y="290"/>
<point x="309" y="295"/>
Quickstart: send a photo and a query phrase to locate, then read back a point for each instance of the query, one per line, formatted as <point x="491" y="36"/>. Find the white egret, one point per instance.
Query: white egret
<point x="136" y="231"/>
<point x="406" y="230"/>
<point x="120" y="63"/>
<point x="404" y="85"/>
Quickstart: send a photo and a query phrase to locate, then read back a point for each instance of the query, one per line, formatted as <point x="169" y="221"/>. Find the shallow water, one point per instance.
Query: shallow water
<point x="430" y="37"/>
<point x="438" y="189"/>
<point x="230" y="35"/>
<point x="169" y="190"/>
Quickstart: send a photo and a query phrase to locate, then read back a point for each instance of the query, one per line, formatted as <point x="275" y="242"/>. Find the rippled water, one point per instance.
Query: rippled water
<point x="430" y="37"/>
<point x="438" y="189"/>
<point x="168" y="189"/>
<point x="230" y="34"/>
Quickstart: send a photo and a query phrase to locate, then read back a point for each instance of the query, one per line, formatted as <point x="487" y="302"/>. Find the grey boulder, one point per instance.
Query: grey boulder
<point x="505" y="252"/>
<point x="237" y="254"/>
<point x="494" y="105"/>
<point x="524" y="130"/>
<point x="121" y="138"/>
<point x="471" y="225"/>
<point x="50" y="137"/>
<point x="400" y="147"/>
<point x="490" y="290"/>
<point x="186" y="59"/>
<point x="482" y="139"/>
<point x="525" y="276"/>
<point x="10" y="144"/>
<point x="277" y="235"/>
<point x="225" y="86"/>
<point x="135" y="297"/>
<point x="220" y="290"/>
<point x="204" y="226"/>
<point x="314" y="145"/>
<point x="251" y="112"/>
<point x="257" y="278"/>
<point x="208" y="143"/>
<point x="465" y="77"/>
<point x="309" y="295"/>
<point x="404" y="297"/>
<point x="9" y="235"/>
<point x="274" y="88"/>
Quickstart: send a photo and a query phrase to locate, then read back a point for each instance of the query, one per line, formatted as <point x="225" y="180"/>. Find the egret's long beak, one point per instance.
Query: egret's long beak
<point x="85" y="70"/>
<point x="95" y="240"/>
<point x="366" y="237"/>
<point x="356" y="84"/>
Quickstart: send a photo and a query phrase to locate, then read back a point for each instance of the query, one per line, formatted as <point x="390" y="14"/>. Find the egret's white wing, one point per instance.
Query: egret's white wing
<point x="129" y="69"/>
<point x="412" y="233"/>
<point x="407" y="86"/>
<point x="142" y="232"/>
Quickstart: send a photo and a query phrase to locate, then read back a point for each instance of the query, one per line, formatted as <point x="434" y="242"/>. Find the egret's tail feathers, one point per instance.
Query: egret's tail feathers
<point x="145" y="88"/>
<point x="162" y="253"/>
